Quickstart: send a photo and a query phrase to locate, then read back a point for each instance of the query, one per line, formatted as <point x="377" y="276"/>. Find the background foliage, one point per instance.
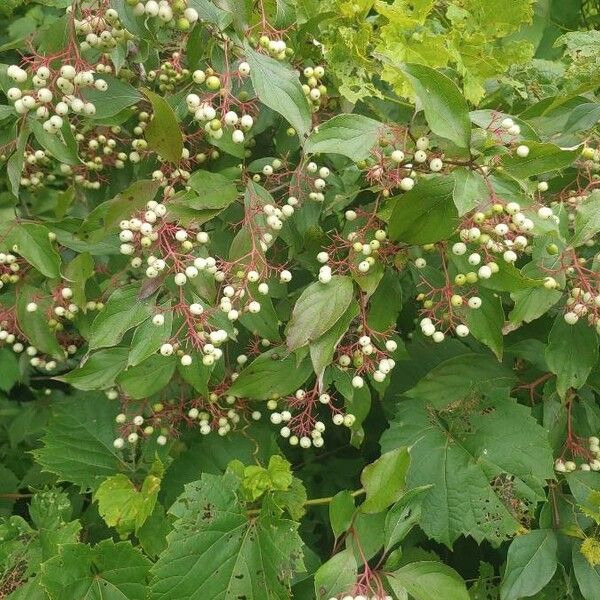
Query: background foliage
<point x="299" y="299"/>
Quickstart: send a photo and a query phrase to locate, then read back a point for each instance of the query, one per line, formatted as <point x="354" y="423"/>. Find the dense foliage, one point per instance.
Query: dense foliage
<point x="299" y="299"/>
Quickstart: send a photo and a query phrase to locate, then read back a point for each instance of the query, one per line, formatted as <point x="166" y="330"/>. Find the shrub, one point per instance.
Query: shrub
<point x="299" y="299"/>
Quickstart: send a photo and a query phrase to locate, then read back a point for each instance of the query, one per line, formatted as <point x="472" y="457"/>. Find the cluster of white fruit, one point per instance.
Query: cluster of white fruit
<point x="205" y="113"/>
<point x="238" y="296"/>
<point x="366" y="251"/>
<point x="313" y="89"/>
<point x="317" y="177"/>
<point x="581" y="303"/>
<point x="144" y="232"/>
<point x="361" y="597"/>
<point x="366" y="348"/>
<point x="315" y="438"/>
<point x="103" y="32"/>
<point x="274" y="218"/>
<point x="9" y="268"/>
<point x="568" y="466"/>
<point x="35" y="179"/>
<point x="277" y="48"/>
<point x="210" y="350"/>
<point x="138" y="426"/>
<point x="429" y="329"/>
<point x="224" y="423"/>
<point x="167" y="12"/>
<point x="510" y="126"/>
<point x="420" y="157"/>
<point x="69" y="82"/>
<point x="10" y="339"/>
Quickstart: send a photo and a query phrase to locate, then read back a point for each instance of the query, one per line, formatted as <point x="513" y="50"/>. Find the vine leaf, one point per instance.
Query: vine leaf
<point x="107" y="571"/>
<point x="216" y="551"/>
<point x="78" y="443"/>
<point x="476" y="454"/>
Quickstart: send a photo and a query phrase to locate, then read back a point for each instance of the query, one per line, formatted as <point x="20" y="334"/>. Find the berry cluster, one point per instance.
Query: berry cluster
<point x="590" y="455"/>
<point x="171" y="14"/>
<point x="53" y="94"/>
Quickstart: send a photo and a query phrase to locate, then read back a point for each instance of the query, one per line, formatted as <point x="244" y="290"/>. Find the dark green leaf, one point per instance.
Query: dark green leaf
<point x="163" y="132"/>
<point x="445" y="108"/>
<point x="426" y="214"/>
<point x="318" y="309"/>
<point x="349" y="135"/>
<point x="572" y="353"/>
<point x="530" y="564"/>
<point x="278" y="87"/>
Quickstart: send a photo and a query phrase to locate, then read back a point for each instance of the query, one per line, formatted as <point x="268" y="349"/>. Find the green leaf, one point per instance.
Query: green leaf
<point x="35" y="325"/>
<point x="428" y="580"/>
<point x="98" y="371"/>
<point x="14" y="165"/>
<point x="271" y="375"/>
<point x="77" y="272"/>
<point x="214" y="192"/>
<point x="587" y="576"/>
<point x="572" y="353"/>
<point x="318" y="309"/>
<point x="462" y="376"/>
<point x="128" y="201"/>
<point x="107" y="571"/>
<point x="587" y="220"/>
<point x="465" y="452"/>
<point x="384" y="480"/>
<point x="117" y="97"/>
<point x="9" y="367"/>
<point x="148" y="337"/>
<point x="349" y="135"/>
<point x="197" y="375"/>
<point x="323" y="348"/>
<point x="383" y="313"/>
<point x="426" y="214"/>
<point x="403" y="516"/>
<point x="148" y="377"/>
<point x="530" y="564"/>
<point x="54" y="144"/>
<point x="336" y="576"/>
<point x="445" y="108"/>
<point x="542" y="158"/>
<point x="341" y="512"/>
<point x="35" y="246"/>
<point x="78" y="443"/>
<point x="122" y="311"/>
<point x="211" y="13"/>
<point x="278" y="87"/>
<point x="470" y="190"/>
<point x="124" y="507"/>
<point x="487" y="322"/>
<point x="215" y="551"/>
<point x="163" y="132"/>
